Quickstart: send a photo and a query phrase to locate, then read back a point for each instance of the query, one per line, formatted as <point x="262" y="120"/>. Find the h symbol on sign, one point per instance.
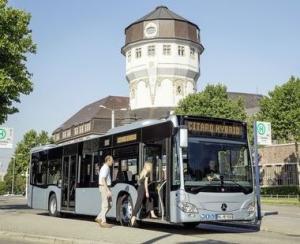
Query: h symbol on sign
<point x="2" y="133"/>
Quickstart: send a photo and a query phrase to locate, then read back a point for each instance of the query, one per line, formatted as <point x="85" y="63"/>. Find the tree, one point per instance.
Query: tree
<point x="282" y="109"/>
<point x="22" y="157"/>
<point x="212" y="102"/>
<point x="2" y="188"/>
<point x="15" y="43"/>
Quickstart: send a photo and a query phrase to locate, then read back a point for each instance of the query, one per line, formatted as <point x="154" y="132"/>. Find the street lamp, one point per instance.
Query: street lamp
<point x="13" y="176"/>
<point x="112" y="113"/>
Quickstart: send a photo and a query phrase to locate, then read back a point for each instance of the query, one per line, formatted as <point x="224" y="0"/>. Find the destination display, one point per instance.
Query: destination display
<point x="127" y="138"/>
<point x="214" y="129"/>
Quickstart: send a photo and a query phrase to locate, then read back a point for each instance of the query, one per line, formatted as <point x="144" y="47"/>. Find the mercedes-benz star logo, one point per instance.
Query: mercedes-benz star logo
<point x="224" y="206"/>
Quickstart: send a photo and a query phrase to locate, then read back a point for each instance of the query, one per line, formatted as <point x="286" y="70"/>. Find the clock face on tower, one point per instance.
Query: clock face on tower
<point x="150" y="30"/>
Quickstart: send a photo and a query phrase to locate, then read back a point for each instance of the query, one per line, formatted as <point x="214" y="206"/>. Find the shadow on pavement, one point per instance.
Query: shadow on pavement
<point x="16" y="207"/>
<point x="169" y="229"/>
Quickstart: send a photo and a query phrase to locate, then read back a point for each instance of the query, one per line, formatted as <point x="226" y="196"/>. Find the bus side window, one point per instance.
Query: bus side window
<point x="125" y="167"/>
<point x="85" y="171"/>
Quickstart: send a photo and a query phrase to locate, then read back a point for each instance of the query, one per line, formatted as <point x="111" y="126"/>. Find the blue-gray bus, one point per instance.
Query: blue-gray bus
<point x="202" y="172"/>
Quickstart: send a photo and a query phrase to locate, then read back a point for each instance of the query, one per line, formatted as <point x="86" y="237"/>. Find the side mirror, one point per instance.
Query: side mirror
<point x="183" y="137"/>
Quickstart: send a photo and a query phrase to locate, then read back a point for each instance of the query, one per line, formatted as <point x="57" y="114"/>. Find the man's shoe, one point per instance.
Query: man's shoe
<point x="105" y="225"/>
<point x="98" y="220"/>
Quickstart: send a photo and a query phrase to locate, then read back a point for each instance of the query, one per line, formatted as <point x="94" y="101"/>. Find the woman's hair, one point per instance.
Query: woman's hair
<point x="146" y="170"/>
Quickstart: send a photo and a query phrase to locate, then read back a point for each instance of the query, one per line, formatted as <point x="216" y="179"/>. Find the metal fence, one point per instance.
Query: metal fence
<point x="277" y="196"/>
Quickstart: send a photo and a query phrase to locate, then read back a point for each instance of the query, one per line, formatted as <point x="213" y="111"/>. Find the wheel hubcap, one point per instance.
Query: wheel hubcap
<point x="126" y="211"/>
<point x="53" y="206"/>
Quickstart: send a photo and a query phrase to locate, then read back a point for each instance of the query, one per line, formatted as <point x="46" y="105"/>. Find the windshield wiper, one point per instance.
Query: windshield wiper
<point x="245" y="189"/>
<point x="198" y="188"/>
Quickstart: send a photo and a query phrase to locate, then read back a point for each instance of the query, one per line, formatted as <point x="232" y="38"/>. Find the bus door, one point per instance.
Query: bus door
<point x="69" y="182"/>
<point x="153" y="153"/>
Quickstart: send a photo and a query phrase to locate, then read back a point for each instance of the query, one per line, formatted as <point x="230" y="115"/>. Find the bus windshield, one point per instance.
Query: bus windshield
<point x="217" y="165"/>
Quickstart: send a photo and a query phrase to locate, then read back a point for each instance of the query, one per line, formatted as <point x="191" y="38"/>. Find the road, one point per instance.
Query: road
<point x="19" y="224"/>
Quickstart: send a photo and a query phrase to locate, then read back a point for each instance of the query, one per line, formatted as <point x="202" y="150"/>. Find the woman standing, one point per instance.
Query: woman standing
<point x="143" y="193"/>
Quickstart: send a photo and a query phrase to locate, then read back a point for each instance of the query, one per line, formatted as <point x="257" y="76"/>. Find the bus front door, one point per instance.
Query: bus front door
<point x="69" y="183"/>
<point x="153" y="153"/>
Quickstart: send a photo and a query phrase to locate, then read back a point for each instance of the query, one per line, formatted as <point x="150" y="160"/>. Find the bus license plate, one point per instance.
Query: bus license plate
<point x="224" y="217"/>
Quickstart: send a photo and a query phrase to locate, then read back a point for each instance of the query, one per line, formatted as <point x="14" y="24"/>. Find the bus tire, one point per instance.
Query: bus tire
<point x="124" y="209"/>
<point x="52" y="206"/>
<point x="190" y="225"/>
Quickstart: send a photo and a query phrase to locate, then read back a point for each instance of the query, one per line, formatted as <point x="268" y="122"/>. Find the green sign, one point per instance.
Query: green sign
<point x="6" y="137"/>
<point x="263" y="133"/>
<point x="261" y="129"/>
<point x="2" y="133"/>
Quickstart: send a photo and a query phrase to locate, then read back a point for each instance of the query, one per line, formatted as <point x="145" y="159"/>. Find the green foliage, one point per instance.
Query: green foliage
<point x="280" y="190"/>
<point x="2" y="188"/>
<point x="22" y="156"/>
<point x="282" y="109"/>
<point x="15" y="43"/>
<point x="212" y="102"/>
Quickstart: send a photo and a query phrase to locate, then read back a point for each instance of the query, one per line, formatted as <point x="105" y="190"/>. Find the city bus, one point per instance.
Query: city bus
<point x="202" y="172"/>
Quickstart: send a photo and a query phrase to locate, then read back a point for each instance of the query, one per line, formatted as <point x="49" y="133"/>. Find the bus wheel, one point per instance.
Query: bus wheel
<point x="52" y="206"/>
<point x="190" y="225"/>
<point x="125" y="209"/>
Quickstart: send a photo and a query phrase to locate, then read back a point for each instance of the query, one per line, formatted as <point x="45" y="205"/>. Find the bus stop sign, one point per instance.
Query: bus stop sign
<point x="6" y="137"/>
<point x="263" y="133"/>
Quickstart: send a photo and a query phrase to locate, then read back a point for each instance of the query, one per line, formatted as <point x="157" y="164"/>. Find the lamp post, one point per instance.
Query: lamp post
<point x="113" y="113"/>
<point x="13" y="176"/>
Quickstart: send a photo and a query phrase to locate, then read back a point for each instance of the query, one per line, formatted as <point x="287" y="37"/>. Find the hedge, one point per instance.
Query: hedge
<point x="280" y="190"/>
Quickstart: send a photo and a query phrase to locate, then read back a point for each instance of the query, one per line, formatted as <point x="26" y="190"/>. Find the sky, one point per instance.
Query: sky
<point x="250" y="46"/>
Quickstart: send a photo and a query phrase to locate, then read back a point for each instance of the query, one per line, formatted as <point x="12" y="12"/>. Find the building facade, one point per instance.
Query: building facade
<point x="162" y="51"/>
<point x="278" y="165"/>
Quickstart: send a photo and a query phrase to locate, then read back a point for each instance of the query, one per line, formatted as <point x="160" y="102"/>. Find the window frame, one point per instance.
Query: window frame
<point x="151" y="50"/>
<point x="138" y="52"/>
<point x="166" y="49"/>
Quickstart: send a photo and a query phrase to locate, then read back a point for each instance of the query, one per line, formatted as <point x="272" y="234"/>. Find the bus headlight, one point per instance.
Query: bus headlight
<point x="251" y="208"/>
<point x="187" y="207"/>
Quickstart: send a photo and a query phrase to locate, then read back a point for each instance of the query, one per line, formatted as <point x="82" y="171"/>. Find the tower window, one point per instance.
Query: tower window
<point x="166" y="49"/>
<point x="179" y="90"/>
<point x="138" y="52"/>
<point x="151" y="50"/>
<point x="181" y="50"/>
<point x="192" y="52"/>
<point x="129" y="56"/>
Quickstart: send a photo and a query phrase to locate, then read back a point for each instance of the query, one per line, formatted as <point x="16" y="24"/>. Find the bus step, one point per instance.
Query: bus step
<point x="159" y="220"/>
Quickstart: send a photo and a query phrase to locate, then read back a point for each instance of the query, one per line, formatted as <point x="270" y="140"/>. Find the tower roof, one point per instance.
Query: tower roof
<point x="161" y="13"/>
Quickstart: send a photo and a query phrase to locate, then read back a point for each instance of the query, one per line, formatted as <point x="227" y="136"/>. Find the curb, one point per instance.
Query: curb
<point x="7" y="235"/>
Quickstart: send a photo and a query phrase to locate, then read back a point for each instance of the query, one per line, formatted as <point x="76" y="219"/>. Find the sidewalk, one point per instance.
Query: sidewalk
<point x="42" y="228"/>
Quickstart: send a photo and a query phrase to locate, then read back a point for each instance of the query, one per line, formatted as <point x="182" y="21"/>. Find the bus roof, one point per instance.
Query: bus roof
<point x="42" y="148"/>
<point x="116" y="130"/>
<point x="134" y="125"/>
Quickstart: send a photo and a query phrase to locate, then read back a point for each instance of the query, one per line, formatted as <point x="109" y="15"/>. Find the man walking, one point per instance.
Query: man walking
<point x="104" y="187"/>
